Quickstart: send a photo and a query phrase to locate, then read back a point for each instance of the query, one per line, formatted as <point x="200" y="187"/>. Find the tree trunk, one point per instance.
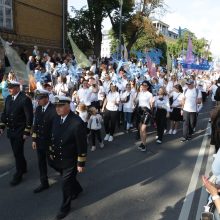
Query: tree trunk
<point x="96" y="25"/>
<point x="97" y="41"/>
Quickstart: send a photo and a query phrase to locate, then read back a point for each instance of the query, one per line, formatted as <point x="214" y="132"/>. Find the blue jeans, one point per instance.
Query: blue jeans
<point x="127" y="118"/>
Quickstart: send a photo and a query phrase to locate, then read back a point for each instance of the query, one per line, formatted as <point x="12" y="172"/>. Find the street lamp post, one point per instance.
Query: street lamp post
<point x="120" y="24"/>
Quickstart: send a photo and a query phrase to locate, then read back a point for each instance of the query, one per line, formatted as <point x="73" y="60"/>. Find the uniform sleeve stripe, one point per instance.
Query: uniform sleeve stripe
<point x="34" y="135"/>
<point x="81" y="159"/>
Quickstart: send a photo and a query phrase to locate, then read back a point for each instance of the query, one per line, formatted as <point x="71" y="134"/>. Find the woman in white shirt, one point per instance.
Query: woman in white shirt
<point x="172" y="82"/>
<point x="111" y="113"/>
<point x="128" y="101"/>
<point x="161" y="103"/>
<point x="145" y="101"/>
<point x="175" y="112"/>
<point x="61" y="87"/>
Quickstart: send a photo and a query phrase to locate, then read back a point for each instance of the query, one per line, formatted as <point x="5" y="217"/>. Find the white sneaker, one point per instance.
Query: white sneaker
<point x="170" y="131"/>
<point x="174" y="131"/>
<point x="106" y="137"/>
<point x="110" y="138"/>
<point x="128" y="126"/>
<point x="101" y="144"/>
<point x="165" y="131"/>
<point x="159" y="142"/>
<point x="93" y="148"/>
<point x="156" y="137"/>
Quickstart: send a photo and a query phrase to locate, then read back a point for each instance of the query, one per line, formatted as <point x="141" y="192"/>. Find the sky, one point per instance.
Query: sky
<point x="202" y="17"/>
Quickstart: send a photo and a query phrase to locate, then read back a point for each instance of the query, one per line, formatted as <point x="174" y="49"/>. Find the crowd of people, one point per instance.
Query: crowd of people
<point x="68" y="105"/>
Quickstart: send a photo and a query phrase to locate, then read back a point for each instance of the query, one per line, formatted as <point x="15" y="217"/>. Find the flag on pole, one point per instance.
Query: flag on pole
<point x="125" y="53"/>
<point x="16" y="63"/>
<point x="189" y="53"/>
<point x="81" y="58"/>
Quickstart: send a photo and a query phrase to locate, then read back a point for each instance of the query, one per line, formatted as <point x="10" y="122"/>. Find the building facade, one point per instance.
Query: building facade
<point x="34" y="22"/>
<point x="163" y="29"/>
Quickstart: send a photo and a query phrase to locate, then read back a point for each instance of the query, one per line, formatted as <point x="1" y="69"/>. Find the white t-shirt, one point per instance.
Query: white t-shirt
<point x="128" y="106"/>
<point x="161" y="81"/>
<point x="144" y="99"/>
<point x="60" y="87"/>
<point x="112" y="99"/>
<point x="101" y="93"/>
<point x="170" y="86"/>
<point x="94" y="95"/>
<point x="106" y="86"/>
<point x="177" y="99"/>
<point x="162" y="102"/>
<point x="84" y="96"/>
<point x="191" y="97"/>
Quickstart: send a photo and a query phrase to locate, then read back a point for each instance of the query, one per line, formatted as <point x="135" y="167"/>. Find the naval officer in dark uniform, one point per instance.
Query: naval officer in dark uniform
<point x="17" y="117"/>
<point x="67" y="152"/>
<point x="43" y="117"/>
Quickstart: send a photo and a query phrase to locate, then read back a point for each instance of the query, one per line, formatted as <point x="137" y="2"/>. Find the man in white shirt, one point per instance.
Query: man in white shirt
<point x="191" y="98"/>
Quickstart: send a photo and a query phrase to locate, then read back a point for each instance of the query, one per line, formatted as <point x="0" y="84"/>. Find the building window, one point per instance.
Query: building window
<point x="6" y="15"/>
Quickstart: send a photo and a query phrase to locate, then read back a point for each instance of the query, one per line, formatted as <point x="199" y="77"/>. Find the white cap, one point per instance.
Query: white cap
<point x="13" y="83"/>
<point x="61" y="100"/>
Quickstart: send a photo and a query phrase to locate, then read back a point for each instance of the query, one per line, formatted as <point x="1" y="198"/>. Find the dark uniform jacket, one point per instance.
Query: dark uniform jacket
<point x="68" y="143"/>
<point x="43" y="125"/>
<point x="17" y="116"/>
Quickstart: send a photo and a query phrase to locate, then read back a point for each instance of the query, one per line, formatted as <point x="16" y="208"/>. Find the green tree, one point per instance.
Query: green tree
<point x="176" y="48"/>
<point x="86" y="25"/>
<point x="79" y="27"/>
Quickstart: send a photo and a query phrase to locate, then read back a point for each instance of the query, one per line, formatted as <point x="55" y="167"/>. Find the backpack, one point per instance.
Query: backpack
<point x="217" y="94"/>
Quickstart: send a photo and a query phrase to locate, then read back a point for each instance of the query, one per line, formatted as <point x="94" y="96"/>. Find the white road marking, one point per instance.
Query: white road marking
<point x="4" y="174"/>
<point x="184" y="214"/>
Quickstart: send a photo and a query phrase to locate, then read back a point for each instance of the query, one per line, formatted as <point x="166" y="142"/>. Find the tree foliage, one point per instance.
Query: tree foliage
<point x="86" y="25"/>
<point x="200" y="46"/>
<point x="79" y="27"/>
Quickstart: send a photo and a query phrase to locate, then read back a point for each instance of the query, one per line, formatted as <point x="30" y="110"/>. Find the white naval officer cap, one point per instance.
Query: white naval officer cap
<point x="41" y="93"/>
<point x="61" y="100"/>
<point x="13" y="83"/>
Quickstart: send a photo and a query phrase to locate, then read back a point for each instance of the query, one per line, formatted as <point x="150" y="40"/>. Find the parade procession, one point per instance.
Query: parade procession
<point x="106" y="113"/>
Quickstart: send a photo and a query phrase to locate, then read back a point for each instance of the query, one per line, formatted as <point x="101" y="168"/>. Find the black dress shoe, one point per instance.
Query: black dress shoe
<point x="62" y="214"/>
<point x="75" y="196"/>
<point x="41" y="188"/>
<point x="25" y="170"/>
<point x="15" y="181"/>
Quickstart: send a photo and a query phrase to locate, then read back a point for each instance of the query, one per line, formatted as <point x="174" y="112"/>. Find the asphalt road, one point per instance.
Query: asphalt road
<point x="120" y="182"/>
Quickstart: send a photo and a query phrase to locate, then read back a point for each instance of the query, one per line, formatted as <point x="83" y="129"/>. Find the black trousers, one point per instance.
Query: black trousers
<point x="110" y="118"/>
<point x="94" y="134"/>
<point x="70" y="187"/>
<point x="42" y="165"/>
<point x="17" y="145"/>
<point x="161" y="121"/>
<point x="189" y="122"/>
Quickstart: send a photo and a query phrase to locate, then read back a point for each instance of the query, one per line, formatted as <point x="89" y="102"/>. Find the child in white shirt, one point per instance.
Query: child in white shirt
<point x="95" y="125"/>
